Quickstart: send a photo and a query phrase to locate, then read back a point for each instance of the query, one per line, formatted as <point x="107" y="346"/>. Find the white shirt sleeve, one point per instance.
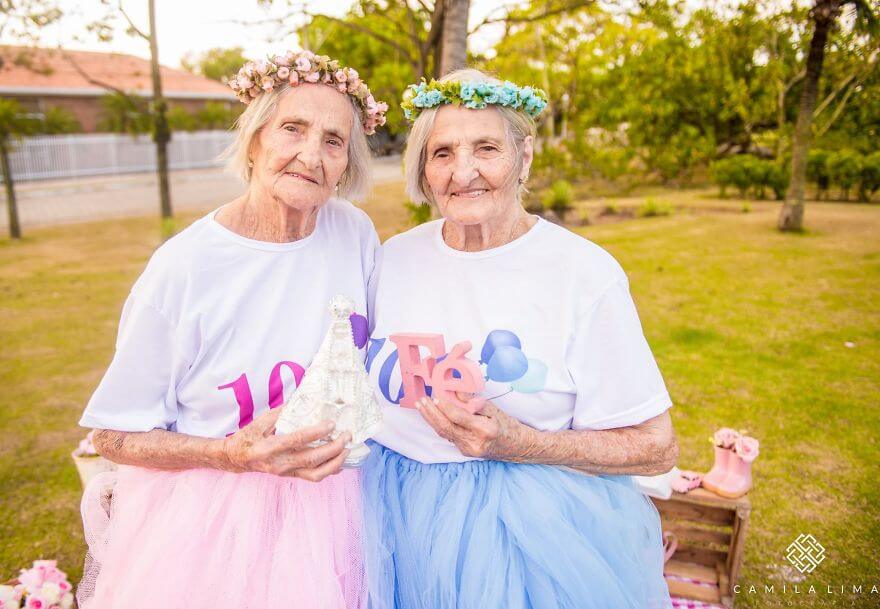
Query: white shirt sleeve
<point x="138" y="391"/>
<point x="617" y="379"/>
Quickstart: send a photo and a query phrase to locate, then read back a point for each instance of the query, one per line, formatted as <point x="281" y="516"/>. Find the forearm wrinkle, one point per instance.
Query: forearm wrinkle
<point x="646" y="450"/>
<point x="161" y="449"/>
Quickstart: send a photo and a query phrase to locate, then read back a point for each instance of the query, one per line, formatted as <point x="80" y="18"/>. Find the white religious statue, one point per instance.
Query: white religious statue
<point x="336" y="388"/>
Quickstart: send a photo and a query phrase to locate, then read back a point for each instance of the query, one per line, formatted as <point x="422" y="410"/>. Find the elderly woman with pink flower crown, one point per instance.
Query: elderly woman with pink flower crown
<point x="211" y="509"/>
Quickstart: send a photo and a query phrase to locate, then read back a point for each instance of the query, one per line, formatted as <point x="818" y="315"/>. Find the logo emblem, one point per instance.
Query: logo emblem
<point x="805" y="553"/>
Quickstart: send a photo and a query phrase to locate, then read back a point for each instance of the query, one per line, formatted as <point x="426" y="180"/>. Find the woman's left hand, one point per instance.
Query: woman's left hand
<point x="489" y="434"/>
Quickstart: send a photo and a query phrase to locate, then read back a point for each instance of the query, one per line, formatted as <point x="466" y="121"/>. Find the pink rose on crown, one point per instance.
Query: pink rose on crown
<point x="283" y="72"/>
<point x="312" y="77"/>
<point x="340" y="76"/>
<point x="294" y="77"/>
<point x="303" y="65"/>
<point x="747" y="448"/>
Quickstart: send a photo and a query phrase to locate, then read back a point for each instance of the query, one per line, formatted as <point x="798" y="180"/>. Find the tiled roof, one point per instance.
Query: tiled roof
<point x="39" y="71"/>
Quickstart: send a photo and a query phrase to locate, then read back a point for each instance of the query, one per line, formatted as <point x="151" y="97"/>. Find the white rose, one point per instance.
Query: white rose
<point x="67" y="601"/>
<point x="50" y="593"/>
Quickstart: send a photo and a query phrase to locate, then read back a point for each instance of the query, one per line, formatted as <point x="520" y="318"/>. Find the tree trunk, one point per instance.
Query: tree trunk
<point x="161" y="133"/>
<point x="11" y="205"/>
<point x="549" y="126"/>
<point x="791" y="217"/>
<point x="454" y="38"/>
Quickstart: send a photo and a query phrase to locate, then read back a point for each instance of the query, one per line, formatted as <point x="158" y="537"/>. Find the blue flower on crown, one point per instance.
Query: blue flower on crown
<point x="474" y="95"/>
<point x="428" y="99"/>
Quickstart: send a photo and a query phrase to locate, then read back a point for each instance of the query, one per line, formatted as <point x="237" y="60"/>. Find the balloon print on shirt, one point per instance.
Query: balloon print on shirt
<point x="502" y="359"/>
<point x="506" y="362"/>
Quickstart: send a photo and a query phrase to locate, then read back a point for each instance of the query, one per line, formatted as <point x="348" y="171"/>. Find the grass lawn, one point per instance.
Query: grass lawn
<point x="750" y="328"/>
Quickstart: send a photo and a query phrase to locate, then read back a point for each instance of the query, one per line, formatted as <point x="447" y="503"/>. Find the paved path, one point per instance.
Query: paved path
<point x="49" y="202"/>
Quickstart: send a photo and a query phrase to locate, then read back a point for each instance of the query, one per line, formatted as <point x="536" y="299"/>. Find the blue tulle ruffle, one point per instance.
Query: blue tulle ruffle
<point x="496" y="535"/>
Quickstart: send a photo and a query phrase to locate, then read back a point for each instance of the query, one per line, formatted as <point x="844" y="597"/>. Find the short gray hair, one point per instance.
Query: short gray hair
<point x="518" y="125"/>
<point x="355" y="182"/>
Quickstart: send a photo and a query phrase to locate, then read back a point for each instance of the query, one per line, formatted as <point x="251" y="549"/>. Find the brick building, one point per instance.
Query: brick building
<point x="41" y="78"/>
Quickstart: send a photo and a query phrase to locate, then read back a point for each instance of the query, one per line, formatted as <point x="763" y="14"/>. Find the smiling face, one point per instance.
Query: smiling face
<point x="471" y="165"/>
<point x="301" y="153"/>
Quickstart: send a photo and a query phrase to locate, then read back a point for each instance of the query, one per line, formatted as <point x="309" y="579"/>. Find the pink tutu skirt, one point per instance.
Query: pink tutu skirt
<point x="205" y="539"/>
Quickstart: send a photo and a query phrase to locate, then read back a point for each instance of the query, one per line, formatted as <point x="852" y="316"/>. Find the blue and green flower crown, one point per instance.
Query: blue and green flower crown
<point x="475" y="95"/>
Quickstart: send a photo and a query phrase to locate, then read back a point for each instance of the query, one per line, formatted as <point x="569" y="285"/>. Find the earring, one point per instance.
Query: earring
<point x="250" y="164"/>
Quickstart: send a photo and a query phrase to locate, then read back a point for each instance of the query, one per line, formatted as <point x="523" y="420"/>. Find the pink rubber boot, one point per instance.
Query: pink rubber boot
<point x="719" y="471"/>
<point x="739" y="482"/>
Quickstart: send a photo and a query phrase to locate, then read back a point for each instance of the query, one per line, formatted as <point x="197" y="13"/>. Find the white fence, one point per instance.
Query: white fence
<point x="71" y="156"/>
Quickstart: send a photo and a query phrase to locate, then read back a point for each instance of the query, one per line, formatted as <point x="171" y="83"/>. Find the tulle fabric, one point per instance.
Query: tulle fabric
<point x="488" y="534"/>
<point x="204" y="539"/>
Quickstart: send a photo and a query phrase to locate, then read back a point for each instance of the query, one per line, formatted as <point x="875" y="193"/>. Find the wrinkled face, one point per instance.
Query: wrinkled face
<point x="470" y="164"/>
<point x="301" y="153"/>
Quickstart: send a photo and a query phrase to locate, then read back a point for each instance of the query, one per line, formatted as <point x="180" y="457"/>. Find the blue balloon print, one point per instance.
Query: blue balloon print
<point x="507" y="364"/>
<point x="533" y="380"/>
<point x="498" y="338"/>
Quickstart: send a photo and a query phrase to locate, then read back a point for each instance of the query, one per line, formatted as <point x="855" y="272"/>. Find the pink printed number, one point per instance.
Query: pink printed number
<point x="244" y="397"/>
<point x="242" y="390"/>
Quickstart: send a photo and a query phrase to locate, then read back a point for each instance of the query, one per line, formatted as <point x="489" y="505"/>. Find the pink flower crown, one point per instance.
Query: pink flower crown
<point x="293" y="68"/>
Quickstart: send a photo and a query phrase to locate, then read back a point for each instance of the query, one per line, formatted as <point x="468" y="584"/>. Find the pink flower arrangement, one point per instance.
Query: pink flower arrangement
<point x="725" y="437"/>
<point x="742" y="445"/>
<point x="293" y="68"/>
<point x="747" y="448"/>
<point x="43" y="586"/>
<point x="86" y="448"/>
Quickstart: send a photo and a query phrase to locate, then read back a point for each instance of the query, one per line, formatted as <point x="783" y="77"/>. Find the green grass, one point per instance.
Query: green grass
<point x="748" y="326"/>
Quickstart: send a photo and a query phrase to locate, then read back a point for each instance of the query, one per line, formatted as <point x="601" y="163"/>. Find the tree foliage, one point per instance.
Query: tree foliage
<point x="217" y="63"/>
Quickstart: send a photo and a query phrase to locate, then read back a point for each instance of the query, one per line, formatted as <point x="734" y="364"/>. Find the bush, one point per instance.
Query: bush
<point x="652" y="207"/>
<point x="845" y="169"/>
<point x="817" y="171"/>
<point x="59" y="120"/>
<point x="559" y="197"/>
<point x="216" y="115"/>
<point x="179" y="119"/>
<point x="737" y="171"/>
<point x="747" y="172"/>
<point x="776" y="177"/>
<point x="612" y="209"/>
<point x="870" y="178"/>
<point x="418" y="213"/>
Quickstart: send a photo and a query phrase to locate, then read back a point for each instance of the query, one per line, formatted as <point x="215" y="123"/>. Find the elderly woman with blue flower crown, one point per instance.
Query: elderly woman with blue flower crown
<point x="502" y="478"/>
<point x="211" y="509"/>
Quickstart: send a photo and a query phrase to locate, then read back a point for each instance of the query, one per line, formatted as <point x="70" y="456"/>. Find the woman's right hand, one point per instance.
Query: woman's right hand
<point x="256" y="448"/>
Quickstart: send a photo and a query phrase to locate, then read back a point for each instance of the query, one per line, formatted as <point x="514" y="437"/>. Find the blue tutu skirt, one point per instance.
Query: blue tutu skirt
<point x="496" y="535"/>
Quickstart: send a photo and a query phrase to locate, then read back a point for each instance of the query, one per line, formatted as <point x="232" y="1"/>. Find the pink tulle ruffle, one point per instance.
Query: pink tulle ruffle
<point x="205" y="539"/>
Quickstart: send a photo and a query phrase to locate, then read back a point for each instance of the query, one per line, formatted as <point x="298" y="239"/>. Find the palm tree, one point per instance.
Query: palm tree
<point x="453" y="44"/>
<point x="824" y="15"/>
<point x="13" y="124"/>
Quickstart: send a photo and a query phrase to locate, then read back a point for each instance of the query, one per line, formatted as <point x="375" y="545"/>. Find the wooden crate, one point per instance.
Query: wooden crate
<point x="711" y="532"/>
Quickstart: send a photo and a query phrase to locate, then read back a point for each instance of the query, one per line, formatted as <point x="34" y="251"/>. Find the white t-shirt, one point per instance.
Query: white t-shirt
<point x="220" y="327"/>
<point x="552" y="308"/>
